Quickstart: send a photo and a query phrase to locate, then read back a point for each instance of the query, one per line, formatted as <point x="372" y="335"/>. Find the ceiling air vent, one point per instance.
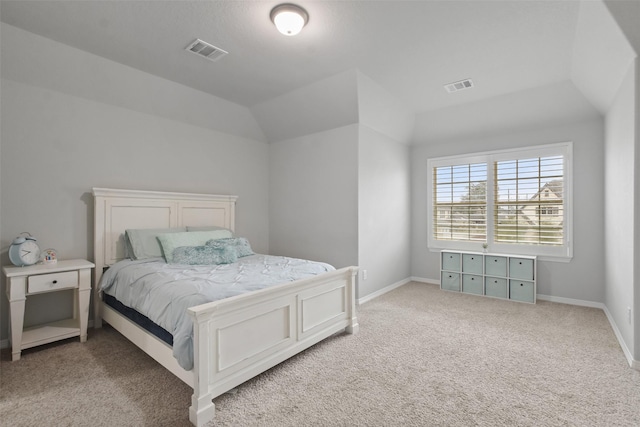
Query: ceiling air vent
<point x="456" y="86"/>
<point x="206" y="50"/>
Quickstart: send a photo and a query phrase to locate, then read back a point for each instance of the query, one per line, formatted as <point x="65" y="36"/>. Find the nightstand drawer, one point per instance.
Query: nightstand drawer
<point x="52" y="282"/>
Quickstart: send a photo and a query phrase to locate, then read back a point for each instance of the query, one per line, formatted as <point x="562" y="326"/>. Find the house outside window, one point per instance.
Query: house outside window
<point x="516" y="201"/>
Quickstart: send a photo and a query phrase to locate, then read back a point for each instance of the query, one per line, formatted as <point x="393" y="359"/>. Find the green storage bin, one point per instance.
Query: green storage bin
<point x="472" y="263"/>
<point x="495" y="266"/>
<point x="496" y="287"/>
<point x="521" y="268"/>
<point x="520" y="290"/>
<point x="450" y="281"/>
<point x="451" y="261"/>
<point x="472" y="284"/>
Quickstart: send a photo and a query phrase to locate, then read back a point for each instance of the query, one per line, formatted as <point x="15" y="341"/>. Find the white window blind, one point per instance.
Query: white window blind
<point x="460" y="202"/>
<point x="529" y="201"/>
<point x="516" y="201"/>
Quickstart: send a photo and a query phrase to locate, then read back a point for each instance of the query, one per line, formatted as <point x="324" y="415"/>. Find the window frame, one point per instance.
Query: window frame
<point x="562" y="253"/>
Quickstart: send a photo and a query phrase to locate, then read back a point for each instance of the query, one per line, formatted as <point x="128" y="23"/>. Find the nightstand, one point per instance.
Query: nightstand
<point x="37" y="279"/>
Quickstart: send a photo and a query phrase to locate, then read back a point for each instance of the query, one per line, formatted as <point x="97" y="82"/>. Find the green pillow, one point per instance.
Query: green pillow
<point x="143" y="244"/>
<point x="171" y="241"/>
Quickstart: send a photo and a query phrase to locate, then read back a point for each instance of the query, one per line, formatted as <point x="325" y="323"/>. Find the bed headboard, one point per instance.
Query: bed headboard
<point x="118" y="210"/>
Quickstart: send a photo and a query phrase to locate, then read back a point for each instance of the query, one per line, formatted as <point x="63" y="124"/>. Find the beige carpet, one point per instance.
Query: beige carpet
<point x="423" y="357"/>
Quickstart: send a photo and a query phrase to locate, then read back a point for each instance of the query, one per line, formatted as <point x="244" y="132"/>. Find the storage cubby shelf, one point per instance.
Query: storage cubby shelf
<point x="511" y="277"/>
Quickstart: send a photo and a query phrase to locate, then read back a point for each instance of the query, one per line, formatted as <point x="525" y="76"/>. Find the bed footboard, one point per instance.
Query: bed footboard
<point x="237" y="338"/>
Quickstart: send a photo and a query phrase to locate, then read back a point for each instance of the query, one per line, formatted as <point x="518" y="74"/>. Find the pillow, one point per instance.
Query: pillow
<point x="204" y="255"/>
<point x="142" y="243"/>
<point x="171" y="241"/>
<point x="240" y="244"/>
<point x="128" y="250"/>
<point x="207" y="228"/>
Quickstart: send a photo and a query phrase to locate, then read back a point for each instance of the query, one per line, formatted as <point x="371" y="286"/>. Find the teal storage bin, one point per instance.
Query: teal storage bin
<point x="450" y="261"/>
<point x="472" y="284"/>
<point x="521" y="268"/>
<point x="450" y="281"/>
<point x="496" y="287"/>
<point x="520" y="290"/>
<point x="472" y="263"/>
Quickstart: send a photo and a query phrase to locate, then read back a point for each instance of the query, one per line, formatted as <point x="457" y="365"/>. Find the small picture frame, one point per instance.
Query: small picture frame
<point x="49" y="256"/>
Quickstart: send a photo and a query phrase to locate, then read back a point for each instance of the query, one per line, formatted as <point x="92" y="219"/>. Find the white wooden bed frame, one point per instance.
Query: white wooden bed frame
<point x="234" y="339"/>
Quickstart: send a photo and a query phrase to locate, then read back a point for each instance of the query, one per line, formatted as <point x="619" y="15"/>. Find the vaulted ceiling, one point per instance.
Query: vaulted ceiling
<point x="411" y="48"/>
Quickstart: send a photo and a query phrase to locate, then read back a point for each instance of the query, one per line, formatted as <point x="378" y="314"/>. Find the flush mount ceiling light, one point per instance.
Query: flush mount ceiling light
<point x="289" y="18"/>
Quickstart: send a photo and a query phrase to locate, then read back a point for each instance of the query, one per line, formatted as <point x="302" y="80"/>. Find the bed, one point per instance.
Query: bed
<point x="290" y="317"/>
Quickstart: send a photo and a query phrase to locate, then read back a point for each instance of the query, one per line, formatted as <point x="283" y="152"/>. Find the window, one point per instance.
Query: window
<point x="460" y="200"/>
<point x="516" y="201"/>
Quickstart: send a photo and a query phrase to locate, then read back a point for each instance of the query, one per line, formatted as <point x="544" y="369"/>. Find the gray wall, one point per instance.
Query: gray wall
<point x="330" y="103"/>
<point x="341" y="195"/>
<point x="384" y="201"/>
<point x="621" y="206"/>
<point x="583" y="277"/>
<point x="57" y="145"/>
<point x="550" y="105"/>
<point x="313" y="196"/>
<point x="636" y="229"/>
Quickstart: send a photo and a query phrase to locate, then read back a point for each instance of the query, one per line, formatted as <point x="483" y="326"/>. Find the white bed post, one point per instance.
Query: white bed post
<point x="98" y="255"/>
<point x="202" y="408"/>
<point x="353" y="326"/>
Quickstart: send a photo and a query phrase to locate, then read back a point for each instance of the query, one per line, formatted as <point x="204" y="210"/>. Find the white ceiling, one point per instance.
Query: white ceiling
<point x="411" y="48"/>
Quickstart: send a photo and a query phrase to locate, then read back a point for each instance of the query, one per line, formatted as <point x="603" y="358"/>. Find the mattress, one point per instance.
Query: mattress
<point x="139" y="319"/>
<point x="162" y="292"/>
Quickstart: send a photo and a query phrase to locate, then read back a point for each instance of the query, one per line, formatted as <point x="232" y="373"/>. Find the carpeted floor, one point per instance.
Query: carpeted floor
<point x="423" y="357"/>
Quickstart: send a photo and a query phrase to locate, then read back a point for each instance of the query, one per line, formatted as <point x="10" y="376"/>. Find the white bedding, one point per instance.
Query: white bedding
<point x="163" y="292"/>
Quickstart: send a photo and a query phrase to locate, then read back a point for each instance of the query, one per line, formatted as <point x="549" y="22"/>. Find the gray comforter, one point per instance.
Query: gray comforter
<point x="163" y="292"/>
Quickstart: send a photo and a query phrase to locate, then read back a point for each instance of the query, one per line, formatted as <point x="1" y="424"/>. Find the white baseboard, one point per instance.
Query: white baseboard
<point x="570" y="301"/>
<point x="394" y="286"/>
<point x="425" y="280"/>
<point x="635" y="364"/>
<point x="382" y="291"/>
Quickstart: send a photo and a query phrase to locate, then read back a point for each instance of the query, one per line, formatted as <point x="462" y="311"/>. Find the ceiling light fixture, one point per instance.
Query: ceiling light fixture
<point x="289" y="18"/>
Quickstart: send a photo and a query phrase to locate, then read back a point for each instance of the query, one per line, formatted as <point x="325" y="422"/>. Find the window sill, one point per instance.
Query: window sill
<point x="544" y="258"/>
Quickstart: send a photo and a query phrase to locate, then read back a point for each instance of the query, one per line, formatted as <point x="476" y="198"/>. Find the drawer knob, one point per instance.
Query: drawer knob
<point x="55" y="281"/>
<point x="521" y="284"/>
<point x="520" y="263"/>
<point x="495" y="260"/>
